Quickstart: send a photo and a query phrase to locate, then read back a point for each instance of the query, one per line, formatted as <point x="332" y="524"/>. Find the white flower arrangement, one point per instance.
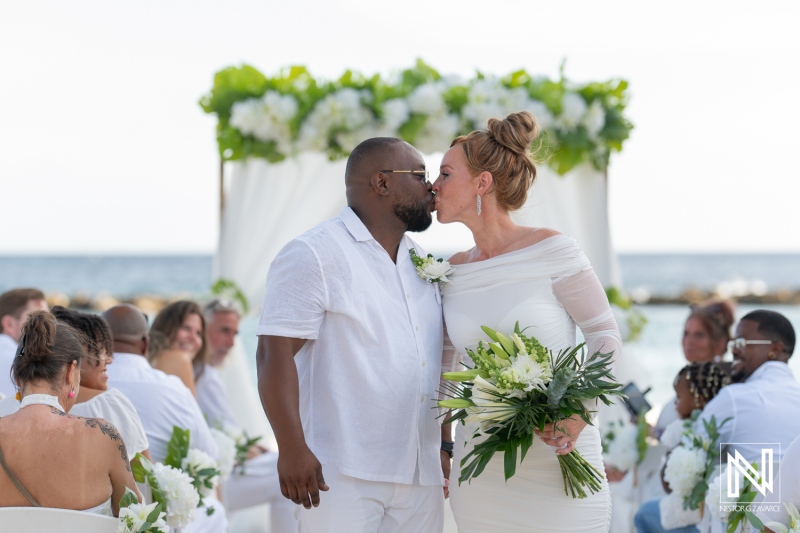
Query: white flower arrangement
<point x="181" y="497"/>
<point x="777" y="527"/>
<point x="685" y="469"/>
<point x="431" y="269"/>
<point x="202" y="468"/>
<point x="624" y="444"/>
<point x="278" y="117"/>
<point x="135" y="517"/>
<point x="227" y="452"/>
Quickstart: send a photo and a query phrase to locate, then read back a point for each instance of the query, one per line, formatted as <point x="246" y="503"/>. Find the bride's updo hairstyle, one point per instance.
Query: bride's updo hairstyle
<point x="45" y="348"/>
<point x="504" y="150"/>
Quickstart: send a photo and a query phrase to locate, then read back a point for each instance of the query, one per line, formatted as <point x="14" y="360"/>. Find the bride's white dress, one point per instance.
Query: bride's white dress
<point x="549" y="286"/>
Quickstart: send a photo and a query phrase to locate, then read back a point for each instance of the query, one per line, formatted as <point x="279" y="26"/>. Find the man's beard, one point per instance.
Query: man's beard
<point x="415" y="215"/>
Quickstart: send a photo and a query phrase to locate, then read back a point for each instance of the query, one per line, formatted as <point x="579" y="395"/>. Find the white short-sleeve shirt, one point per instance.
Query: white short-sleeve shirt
<point x="162" y="401"/>
<point x="370" y="370"/>
<point x="213" y="398"/>
<point x="8" y="349"/>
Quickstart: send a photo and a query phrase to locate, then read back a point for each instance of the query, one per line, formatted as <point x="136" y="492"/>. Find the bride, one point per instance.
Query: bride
<point x="540" y="278"/>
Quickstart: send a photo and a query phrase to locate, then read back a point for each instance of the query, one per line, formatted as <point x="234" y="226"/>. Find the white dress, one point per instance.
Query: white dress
<point x="549" y="286"/>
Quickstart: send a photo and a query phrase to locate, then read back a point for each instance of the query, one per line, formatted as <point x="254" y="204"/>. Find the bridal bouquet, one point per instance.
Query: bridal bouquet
<point x="777" y="527"/>
<point x="135" y="517"/>
<point x="518" y="386"/>
<point x="692" y="463"/>
<point x="171" y="488"/>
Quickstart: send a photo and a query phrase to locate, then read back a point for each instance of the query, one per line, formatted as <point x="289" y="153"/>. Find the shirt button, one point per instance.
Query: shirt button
<point x="408" y="296"/>
<point x="416" y="328"/>
<point x="424" y="363"/>
<point x="422" y="399"/>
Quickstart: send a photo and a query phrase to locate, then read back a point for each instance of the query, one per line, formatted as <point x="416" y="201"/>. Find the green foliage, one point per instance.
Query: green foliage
<point x="562" y="146"/>
<point x="143" y="473"/>
<point x="129" y="498"/>
<point x="633" y="316"/>
<point x="177" y="447"/>
<point x="229" y="289"/>
<point x="641" y="439"/>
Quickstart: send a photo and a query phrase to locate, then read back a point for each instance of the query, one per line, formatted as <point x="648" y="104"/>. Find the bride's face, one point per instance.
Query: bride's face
<point x="456" y="191"/>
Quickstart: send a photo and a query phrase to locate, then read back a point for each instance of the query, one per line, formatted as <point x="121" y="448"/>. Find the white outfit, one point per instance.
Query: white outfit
<point x="369" y="373"/>
<point x="8" y="349"/>
<point x="162" y="402"/>
<point x="789" y="483"/>
<point x="111" y="406"/>
<point x="259" y="484"/>
<point x="550" y="287"/>
<point x="212" y="397"/>
<point x="763" y="409"/>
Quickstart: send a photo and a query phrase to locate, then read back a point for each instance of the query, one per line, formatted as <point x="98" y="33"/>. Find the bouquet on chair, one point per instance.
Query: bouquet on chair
<point x="518" y="386"/>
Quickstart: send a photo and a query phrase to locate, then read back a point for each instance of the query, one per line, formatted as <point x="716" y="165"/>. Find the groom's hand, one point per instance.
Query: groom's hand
<point x="446" y="465"/>
<point x="564" y="435"/>
<point x="300" y="475"/>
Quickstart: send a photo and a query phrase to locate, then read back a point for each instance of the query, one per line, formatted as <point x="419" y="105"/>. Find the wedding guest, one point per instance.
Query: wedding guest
<point x="95" y="399"/>
<point x="762" y="405"/>
<point x="15" y="306"/>
<point x="257" y="483"/>
<point x="162" y="401"/>
<point x="705" y="338"/>
<point x="45" y="453"/>
<point x="695" y="385"/>
<point x="178" y="342"/>
<point x="349" y="356"/>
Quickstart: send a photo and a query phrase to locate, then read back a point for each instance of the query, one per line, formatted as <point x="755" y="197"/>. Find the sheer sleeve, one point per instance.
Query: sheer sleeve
<point x="451" y="362"/>
<point x="583" y="297"/>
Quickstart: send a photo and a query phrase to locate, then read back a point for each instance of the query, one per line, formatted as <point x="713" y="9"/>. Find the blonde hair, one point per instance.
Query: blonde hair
<point x="504" y="150"/>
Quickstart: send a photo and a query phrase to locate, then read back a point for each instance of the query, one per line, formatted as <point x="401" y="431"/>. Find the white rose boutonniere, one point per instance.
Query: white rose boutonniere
<point x="430" y="269"/>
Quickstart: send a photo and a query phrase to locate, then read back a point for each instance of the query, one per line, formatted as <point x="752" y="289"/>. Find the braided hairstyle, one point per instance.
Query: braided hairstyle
<point x="705" y="380"/>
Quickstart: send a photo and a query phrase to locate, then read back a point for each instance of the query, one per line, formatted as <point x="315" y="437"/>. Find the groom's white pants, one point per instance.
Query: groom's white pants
<point x="354" y="505"/>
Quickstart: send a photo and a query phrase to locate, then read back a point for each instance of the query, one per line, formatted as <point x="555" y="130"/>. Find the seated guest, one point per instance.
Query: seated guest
<point x="15" y="306"/>
<point x="178" y="342"/>
<point x="258" y="483"/>
<point x="695" y="385"/>
<point x="95" y="399"/>
<point x="162" y="401"/>
<point x="705" y="338"/>
<point x="763" y="403"/>
<point x="50" y="458"/>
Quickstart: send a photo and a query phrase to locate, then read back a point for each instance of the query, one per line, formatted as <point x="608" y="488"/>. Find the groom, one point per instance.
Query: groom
<point x="349" y="356"/>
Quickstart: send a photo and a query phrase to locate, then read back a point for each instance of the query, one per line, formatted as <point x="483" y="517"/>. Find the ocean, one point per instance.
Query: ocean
<point x="651" y="361"/>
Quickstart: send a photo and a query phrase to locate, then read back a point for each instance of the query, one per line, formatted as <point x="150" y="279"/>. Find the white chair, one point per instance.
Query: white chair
<point x="45" y="520"/>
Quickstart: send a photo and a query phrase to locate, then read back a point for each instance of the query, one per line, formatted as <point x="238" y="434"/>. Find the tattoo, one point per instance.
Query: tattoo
<point x="59" y="412"/>
<point x="109" y="430"/>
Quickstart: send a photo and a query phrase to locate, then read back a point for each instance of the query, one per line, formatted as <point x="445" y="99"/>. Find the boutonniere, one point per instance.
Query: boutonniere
<point x="430" y="269"/>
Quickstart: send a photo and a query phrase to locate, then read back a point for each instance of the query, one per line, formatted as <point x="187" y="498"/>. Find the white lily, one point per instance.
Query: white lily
<point x="487" y="407"/>
<point x="521" y="345"/>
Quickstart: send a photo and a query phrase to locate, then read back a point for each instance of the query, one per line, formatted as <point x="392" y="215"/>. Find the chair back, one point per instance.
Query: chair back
<point x="46" y="519"/>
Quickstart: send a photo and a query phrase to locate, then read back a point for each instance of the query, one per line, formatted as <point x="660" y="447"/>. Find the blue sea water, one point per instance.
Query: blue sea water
<point x="125" y="276"/>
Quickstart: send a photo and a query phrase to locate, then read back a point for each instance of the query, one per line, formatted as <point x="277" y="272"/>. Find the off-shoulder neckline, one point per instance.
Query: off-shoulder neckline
<point x="506" y="254"/>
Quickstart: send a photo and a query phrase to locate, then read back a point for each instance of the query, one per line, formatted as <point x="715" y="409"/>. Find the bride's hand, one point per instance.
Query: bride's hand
<point x="564" y="436"/>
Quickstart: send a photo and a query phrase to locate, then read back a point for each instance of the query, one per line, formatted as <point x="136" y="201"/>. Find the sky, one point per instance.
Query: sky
<point x="103" y="148"/>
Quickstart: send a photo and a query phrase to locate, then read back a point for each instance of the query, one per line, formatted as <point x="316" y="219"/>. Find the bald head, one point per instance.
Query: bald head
<point x="369" y="157"/>
<point x="129" y="328"/>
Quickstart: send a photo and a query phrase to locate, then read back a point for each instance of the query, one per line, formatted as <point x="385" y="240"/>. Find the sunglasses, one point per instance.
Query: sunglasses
<point x="741" y="343"/>
<point x="422" y="174"/>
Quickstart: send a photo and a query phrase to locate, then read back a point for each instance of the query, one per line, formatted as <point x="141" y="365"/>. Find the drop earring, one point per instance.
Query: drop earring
<point x="72" y="393"/>
<point x="479" y="205"/>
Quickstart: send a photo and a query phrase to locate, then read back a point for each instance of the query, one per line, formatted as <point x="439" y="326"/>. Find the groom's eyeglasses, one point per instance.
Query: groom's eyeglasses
<point x="422" y="174"/>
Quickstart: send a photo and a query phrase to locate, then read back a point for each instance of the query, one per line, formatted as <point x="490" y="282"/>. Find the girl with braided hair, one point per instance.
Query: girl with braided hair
<point x="696" y="384"/>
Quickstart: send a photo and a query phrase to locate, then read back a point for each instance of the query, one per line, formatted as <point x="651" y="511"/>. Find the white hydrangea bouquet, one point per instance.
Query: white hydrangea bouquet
<point x="170" y="487"/>
<point x="198" y="465"/>
<point x="430" y="269"/>
<point x="691" y="465"/>
<point x="135" y="517"/>
<point x="777" y="527"/>
<point x="517" y="386"/>
<point x="624" y="444"/>
<point x="227" y="452"/>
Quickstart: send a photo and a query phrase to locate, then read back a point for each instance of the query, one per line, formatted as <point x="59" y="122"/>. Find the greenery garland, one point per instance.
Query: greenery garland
<point x="277" y="117"/>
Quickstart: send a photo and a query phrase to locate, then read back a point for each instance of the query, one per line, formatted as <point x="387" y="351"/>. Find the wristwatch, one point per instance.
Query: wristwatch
<point x="447" y="447"/>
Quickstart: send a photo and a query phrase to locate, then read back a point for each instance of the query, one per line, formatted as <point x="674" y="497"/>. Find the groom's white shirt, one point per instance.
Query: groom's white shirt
<point x="162" y="402"/>
<point x="369" y="373"/>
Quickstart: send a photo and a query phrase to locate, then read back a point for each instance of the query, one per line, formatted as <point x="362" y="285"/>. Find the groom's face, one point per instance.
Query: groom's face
<point x="412" y="197"/>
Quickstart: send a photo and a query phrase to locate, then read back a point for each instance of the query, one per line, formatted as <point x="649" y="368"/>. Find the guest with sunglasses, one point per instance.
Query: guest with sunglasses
<point x="762" y="406"/>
